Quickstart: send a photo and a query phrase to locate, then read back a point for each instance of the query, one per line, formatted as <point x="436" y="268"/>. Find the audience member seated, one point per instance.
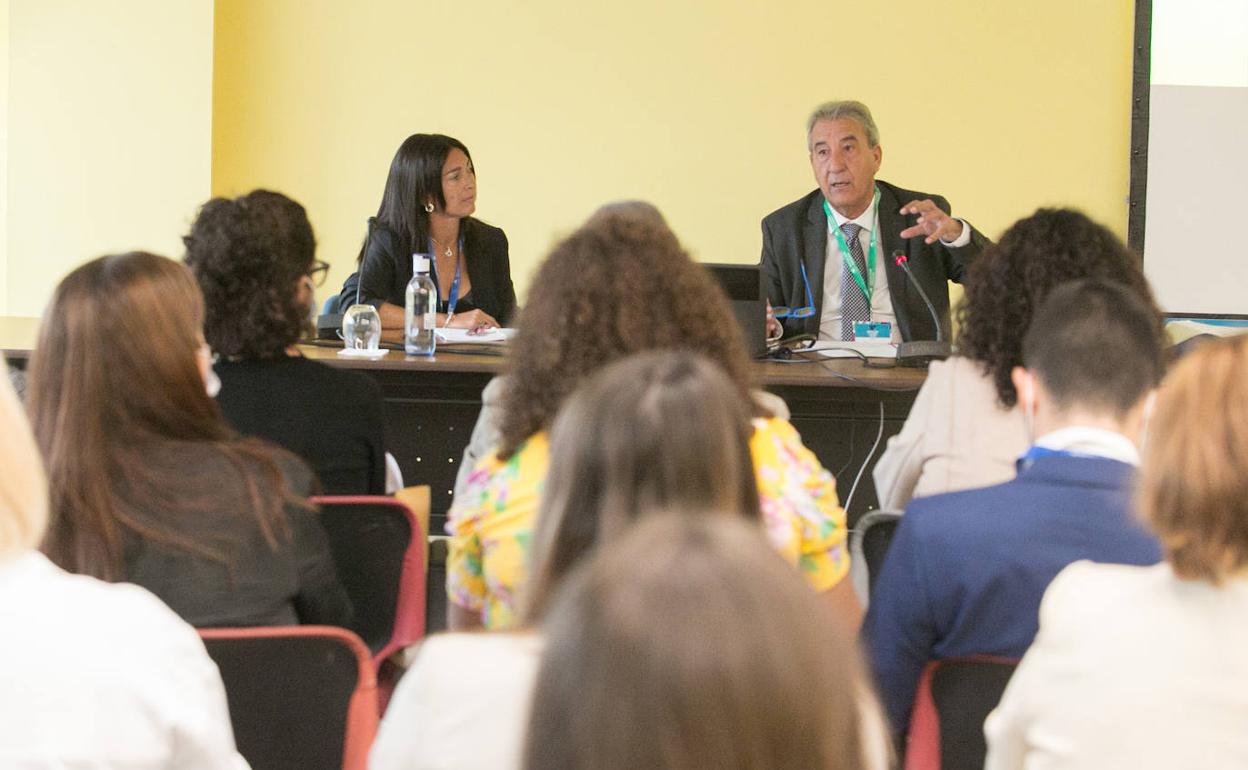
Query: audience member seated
<point x="148" y="483"/>
<point x="622" y="284"/>
<point x="966" y="570"/>
<point x="426" y="208"/>
<point x="687" y="645"/>
<point x="486" y="434"/>
<point x="965" y="429"/>
<point x="91" y="674"/>
<point x="656" y="431"/>
<point x="253" y="258"/>
<point x="1144" y="667"/>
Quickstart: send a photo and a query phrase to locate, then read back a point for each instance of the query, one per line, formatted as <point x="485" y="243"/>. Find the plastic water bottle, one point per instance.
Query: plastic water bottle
<point x="420" y="310"/>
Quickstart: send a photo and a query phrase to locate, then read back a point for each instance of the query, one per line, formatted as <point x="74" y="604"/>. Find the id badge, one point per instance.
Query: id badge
<point x="873" y="330"/>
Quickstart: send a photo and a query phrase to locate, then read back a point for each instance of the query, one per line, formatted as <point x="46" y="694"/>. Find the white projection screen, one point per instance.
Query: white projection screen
<point x="1190" y="154"/>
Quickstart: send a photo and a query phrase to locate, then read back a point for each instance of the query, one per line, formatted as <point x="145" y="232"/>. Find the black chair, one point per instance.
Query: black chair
<point x="954" y="698"/>
<point x="300" y="697"/>
<point x="868" y="543"/>
<point x="379" y="548"/>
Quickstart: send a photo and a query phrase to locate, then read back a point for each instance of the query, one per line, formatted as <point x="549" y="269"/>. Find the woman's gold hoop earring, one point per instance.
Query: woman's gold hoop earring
<point x="429" y="208"/>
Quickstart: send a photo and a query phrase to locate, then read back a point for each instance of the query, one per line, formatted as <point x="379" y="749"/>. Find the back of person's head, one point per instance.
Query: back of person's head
<point x="636" y="209"/>
<point x="1194" y="478"/>
<point x="251" y="256"/>
<point x="1008" y="282"/>
<point x="690" y="643"/>
<point x="23" y="487"/>
<point x="619" y="285"/>
<point x="1096" y="347"/>
<point x="117" y="376"/>
<point x="656" y="431"/>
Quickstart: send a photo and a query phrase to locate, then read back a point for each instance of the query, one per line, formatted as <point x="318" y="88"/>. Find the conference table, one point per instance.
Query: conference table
<point x="839" y="406"/>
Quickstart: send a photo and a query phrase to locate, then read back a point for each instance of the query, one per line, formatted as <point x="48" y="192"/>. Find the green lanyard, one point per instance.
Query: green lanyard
<point x="869" y="284"/>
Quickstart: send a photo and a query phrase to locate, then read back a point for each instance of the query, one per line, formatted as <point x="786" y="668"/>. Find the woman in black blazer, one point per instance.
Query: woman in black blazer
<point x="427" y="208"/>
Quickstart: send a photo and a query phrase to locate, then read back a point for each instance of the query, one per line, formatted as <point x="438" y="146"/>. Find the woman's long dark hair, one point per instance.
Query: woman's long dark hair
<point x="415" y="177"/>
<point x="115" y="388"/>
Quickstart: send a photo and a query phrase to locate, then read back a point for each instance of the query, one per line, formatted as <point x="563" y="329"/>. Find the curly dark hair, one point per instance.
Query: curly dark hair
<point x="1009" y="281"/>
<point x="248" y="255"/>
<point x="621" y="284"/>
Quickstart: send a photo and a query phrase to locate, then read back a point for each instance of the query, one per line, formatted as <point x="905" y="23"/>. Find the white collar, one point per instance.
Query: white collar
<point x="865" y="220"/>
<point x="1094" y="442"/>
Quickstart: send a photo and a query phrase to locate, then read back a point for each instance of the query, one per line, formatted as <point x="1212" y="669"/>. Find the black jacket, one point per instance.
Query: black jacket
<point x="331" y="418"/>
<point x="798" y="234"/>
<point x="387" y="267"/>
<point x="256" y="585"/>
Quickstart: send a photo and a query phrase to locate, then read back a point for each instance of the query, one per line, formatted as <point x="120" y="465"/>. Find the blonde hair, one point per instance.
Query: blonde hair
<point x="23" y="486"/>
<point x="1194" y="478"/>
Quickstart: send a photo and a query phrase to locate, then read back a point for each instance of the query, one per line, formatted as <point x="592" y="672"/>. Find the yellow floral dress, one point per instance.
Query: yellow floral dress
<point x="491" y="521"/>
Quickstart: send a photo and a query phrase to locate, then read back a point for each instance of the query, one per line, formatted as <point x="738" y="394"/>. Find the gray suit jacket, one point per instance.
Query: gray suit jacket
<point x="797" y="234"/>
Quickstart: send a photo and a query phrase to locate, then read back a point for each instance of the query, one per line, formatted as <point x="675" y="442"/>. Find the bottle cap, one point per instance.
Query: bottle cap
<point x="420" y="263"/>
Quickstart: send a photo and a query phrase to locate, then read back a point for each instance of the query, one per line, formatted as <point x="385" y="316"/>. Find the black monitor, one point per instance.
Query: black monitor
<point x="739" y="282"/>
<point x="744" y="288"/>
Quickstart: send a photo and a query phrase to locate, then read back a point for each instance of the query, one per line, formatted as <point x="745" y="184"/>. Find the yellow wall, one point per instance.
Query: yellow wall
<point x="697" y="105"/>
<point x="108" y="138"/>
<point x="4" y="155"/>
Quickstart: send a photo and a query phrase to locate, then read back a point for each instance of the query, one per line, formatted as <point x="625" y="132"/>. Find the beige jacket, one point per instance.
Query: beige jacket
<point x="957" y="437"/>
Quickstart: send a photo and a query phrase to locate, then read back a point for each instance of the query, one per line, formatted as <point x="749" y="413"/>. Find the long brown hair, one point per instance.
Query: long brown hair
<point x="655" y="431"/>
<point x="1193" y="489"/>
<point x="691" y="644"/>
<point x="619" y="285"/>
<point x="114" y="387"/>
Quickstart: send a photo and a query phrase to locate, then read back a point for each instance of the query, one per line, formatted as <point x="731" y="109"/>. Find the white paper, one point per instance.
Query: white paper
<point x="371" y="355"/>
<point x="466" y="337"/>
<point x="851" y="348"/>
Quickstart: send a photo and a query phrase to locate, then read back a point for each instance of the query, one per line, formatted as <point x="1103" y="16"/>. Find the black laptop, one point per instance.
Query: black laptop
<point x="744" y="287"/>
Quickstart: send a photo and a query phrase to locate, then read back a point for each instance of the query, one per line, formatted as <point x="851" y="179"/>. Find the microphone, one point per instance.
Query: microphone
<point x="919" y="353"/>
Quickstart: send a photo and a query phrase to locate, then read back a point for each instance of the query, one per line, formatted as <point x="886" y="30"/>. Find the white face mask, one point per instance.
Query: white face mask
<point x="212" y="383"/>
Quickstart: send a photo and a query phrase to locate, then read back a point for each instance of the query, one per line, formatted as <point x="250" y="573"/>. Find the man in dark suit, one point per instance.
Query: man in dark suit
<point x="965" y="572"/>
<point x="845" y="234"/>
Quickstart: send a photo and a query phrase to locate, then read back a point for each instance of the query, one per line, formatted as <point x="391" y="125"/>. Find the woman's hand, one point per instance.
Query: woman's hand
<point x="476" y="320"/>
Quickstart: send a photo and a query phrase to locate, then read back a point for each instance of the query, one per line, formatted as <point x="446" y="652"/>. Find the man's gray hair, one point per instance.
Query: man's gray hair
<point x="845" y="108"/>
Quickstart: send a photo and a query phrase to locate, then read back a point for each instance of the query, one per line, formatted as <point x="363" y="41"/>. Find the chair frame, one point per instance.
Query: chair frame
<point x="858" y="567"/>
<point x="923" y="749"/>
<point x="362" y="710"/>
<point x="409" y="616"/>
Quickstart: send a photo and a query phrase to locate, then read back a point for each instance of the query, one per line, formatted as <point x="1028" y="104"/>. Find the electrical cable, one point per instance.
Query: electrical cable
<point x="879" y="435"/>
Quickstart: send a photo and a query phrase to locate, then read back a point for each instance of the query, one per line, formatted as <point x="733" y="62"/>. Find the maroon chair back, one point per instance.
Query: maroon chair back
<point x="954" y="698"/>
<point x="300" y="697"/>
<point x="379" y="551"/>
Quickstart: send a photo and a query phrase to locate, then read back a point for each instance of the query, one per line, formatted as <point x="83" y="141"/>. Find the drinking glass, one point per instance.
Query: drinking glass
<point x="361" y="328"/>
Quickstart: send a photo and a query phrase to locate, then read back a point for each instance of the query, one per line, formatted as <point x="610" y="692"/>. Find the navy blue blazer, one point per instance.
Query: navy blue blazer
<point x="965" y="572"/>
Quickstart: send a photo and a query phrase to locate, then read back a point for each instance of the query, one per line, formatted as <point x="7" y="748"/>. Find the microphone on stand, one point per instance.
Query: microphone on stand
<point x="919" y="353"/>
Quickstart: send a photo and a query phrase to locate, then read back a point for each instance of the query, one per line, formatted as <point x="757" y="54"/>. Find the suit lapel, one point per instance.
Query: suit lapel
<point x="891" y="225"/>
<point x="815" y="247"/>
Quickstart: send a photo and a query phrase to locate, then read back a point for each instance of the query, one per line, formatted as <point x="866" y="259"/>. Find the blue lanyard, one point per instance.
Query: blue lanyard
<point x="1037" y="452"/>
<point x="867" y="285"/>
<point x="452" y="300"/>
